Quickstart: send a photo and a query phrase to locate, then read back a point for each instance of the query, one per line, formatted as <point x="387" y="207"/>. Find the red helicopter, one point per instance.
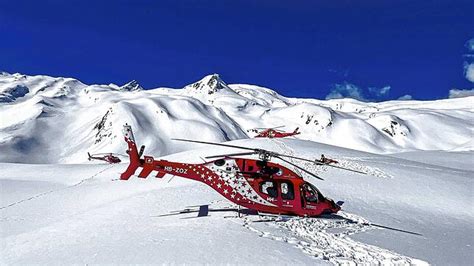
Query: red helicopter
<point x="108" y="157"/>
<point x="259" y="185"/>
<point x="274" y="133"/>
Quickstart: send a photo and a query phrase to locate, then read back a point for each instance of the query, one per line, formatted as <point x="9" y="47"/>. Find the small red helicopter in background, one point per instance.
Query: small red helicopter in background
<point x="255" y="184"/>
<point x="108" y="157"/>
<point x="274" y="133"/>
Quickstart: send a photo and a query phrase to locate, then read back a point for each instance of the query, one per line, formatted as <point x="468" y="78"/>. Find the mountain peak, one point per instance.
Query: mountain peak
<point x="209" y="84"/>
<point x="131" y="86"/>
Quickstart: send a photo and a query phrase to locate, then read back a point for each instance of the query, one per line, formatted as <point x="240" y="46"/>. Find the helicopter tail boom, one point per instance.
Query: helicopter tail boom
<point x="132" y="152"/>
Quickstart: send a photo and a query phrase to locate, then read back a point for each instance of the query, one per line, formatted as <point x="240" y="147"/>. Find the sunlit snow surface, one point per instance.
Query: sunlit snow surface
<point x="57" y="213"/>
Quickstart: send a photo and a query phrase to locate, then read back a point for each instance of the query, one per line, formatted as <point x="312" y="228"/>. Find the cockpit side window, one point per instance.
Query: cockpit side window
<point x="269" y="188"/>
<point x="309" y="193"/>
<point x="219" y="162"/>
<point x="287" y="191"/>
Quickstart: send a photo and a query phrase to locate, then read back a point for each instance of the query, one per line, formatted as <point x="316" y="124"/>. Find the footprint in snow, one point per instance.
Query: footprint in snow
<point x="314" y="237"/>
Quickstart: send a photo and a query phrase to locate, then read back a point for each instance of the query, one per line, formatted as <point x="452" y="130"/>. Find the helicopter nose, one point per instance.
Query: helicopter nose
<point x="335" y="206"/>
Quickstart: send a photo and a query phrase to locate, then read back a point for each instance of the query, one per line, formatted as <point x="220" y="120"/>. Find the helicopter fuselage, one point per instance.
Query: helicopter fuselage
<point x="272" y="133"/>
<point x="259" y="185"/>
<point x="107" y="158"/>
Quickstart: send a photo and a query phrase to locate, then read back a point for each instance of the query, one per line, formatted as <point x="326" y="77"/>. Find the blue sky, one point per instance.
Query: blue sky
<point x="374" y="50"/>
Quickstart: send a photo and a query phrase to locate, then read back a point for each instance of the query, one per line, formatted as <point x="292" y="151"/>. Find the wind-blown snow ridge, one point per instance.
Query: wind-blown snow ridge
<point x="62" y="118"/>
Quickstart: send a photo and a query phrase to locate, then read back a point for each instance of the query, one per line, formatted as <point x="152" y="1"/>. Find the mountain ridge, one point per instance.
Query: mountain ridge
<point x="59" y="118"/>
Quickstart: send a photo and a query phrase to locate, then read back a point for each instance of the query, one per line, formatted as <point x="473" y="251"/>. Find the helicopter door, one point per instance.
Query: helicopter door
<point x="309" y="196"/>
<point x="287" y="192"/>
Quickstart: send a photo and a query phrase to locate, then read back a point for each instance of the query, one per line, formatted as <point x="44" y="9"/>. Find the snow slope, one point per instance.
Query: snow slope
<point x="84" y="214"/>
<point x="57" y="120"/>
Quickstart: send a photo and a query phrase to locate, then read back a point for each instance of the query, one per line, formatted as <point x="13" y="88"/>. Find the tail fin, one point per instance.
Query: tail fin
<point x="90" y="157"/>
<point x="132" y="153"/>
<point x="296" y="130"/>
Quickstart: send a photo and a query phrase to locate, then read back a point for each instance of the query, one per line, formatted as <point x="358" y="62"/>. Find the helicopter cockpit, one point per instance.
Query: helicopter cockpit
<point x="309" y="192"/>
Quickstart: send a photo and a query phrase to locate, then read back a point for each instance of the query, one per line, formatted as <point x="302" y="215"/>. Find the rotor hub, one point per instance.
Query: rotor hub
<point x="264" y="155"/>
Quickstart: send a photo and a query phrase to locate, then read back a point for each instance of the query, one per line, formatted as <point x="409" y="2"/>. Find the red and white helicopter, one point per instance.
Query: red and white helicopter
<point x="107" y="157"/>
<point x="259" y="185"/>
<point x="274" y="133"/>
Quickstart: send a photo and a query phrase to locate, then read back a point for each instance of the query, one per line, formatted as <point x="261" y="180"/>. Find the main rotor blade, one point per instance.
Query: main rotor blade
<point x="343" y="168"/>
<point x="278" y="127"/>
<point x="274" y="154"/>
<point x="302" y="169"/>
<point x="231" y="154"/>
<point x="294" y="157"/>
<point x="268" y="127"/>
<point x="395" y="229"/>
<point x="321" y="163"/>
<point x="216" y="144"/>
<point x="107" y="153"/>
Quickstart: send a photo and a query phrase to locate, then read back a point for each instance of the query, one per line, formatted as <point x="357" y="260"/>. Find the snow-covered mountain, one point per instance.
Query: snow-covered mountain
<point x="82" y="213"/>
<point x="47" y="120"/>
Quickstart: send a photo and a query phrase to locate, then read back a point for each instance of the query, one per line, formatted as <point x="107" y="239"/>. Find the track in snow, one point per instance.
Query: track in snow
<point x="328" y="239"/>
<point x="55" y="190"/>
<point x="424" y="166"/>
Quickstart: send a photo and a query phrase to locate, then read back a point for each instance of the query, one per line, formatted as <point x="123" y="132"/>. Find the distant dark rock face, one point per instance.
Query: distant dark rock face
<point x="104" y="127"/>
<point x="131" y="86"/>
<point x="395" y="129"/>
<point x="5" y="98"/>
<point x="19" y="91"/>
<point x="215" y="83"/>
<point x="211" y="86"/>
<point x="13" y="93"/>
